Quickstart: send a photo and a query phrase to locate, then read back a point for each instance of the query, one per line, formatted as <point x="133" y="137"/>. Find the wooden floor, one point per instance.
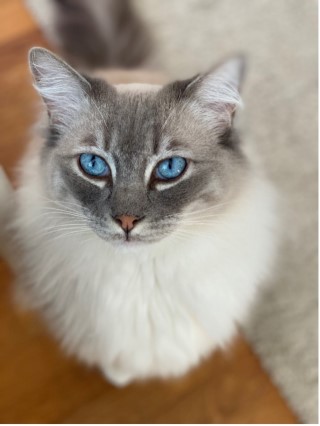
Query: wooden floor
<point x="37" y="382"/>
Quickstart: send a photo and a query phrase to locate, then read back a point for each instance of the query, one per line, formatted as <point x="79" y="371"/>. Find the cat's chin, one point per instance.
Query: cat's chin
<point x="132" y="241"/>
<point x="129" y="244"/>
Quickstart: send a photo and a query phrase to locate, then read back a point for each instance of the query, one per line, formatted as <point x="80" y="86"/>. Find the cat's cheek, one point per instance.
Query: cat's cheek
<point x="92" y="196"/>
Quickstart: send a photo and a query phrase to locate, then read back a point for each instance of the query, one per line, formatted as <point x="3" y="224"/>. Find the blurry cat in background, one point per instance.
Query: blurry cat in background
<point x="144" y="230"/>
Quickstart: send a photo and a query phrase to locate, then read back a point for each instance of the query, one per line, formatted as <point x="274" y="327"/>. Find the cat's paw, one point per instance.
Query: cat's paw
<point x="117" y="378"/>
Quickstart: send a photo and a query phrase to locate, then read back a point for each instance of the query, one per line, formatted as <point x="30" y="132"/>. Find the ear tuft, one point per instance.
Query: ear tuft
<point x="218" y="91"/>
<point x="62" y="88"/>
<point x="222" y="86"/>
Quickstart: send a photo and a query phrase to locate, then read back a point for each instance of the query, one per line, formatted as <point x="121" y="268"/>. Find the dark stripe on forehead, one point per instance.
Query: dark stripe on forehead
<point x="175" y="145"/>
<point x="89" y="140"/>
<point x="134" y="118"/>
<point x="157" y="133"/>
<point x="104" y="107"/>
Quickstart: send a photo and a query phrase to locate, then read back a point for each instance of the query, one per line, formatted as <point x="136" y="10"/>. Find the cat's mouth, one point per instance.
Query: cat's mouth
<point x="132" y="238"/>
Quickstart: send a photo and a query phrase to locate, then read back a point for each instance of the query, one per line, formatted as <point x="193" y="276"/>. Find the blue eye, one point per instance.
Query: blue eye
<point x="94" y="165"/>
<point x="171" y="168"/>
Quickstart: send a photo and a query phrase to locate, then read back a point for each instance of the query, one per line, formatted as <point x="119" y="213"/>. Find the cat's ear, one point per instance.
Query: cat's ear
<point x="63" y="89"/>
<point x="218" y="92"/>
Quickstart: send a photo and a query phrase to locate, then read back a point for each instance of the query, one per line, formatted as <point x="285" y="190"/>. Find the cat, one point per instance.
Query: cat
<point x="143" y="228"/>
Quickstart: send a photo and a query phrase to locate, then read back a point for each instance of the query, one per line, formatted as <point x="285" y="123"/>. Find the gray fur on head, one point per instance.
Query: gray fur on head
<point x="133" y="130"/>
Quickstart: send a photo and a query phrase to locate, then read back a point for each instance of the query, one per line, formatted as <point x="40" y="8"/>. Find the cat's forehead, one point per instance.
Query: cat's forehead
<point x="132" y="117"/>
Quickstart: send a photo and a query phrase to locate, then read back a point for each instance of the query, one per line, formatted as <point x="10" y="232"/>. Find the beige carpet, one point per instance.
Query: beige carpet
<point x="280" y="94"/>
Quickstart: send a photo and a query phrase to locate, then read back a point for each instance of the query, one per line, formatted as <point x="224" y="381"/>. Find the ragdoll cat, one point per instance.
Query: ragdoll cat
<point x="144" y="230"/>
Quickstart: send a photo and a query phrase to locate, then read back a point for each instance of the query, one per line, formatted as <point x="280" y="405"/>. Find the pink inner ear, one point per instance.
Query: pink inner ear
<point x="224" y="111"/>
<point x="231" y="108"/>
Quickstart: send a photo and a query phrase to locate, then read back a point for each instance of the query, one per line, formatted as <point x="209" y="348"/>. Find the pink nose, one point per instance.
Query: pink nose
<point x="127" y="222"/>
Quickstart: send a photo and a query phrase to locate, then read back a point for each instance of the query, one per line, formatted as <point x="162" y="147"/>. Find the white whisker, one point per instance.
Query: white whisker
<point x="49" y="211"/>
<point x="60" y="230"/>
<point x="78" y="232"/>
